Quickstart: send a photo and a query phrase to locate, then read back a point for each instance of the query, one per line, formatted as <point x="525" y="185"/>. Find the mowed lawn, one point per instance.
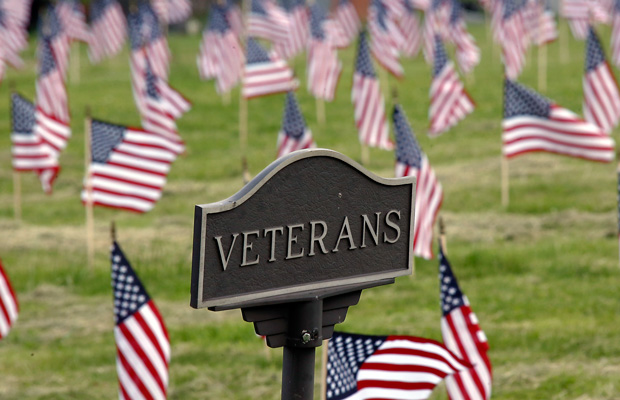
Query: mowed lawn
<point x="542" y="274"/>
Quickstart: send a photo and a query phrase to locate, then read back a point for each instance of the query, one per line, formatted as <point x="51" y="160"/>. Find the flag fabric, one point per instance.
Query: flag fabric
<point x="515" y="38"/>
<point x="9" y="306"/>
<point x="409" y="25"/>
<point x="51" y="92"/>
<point x="14" y="18"/>
<point x="268" y="21"/>
<point x="221" y="56"/>
<point x="601" y="105"/>
<point x="462" y="335"/>
<point x="323" y="68"/>
<point x="128" y="168"/>
<point x="294" y="135"/>
<point x="436" y="22"/>
<point x="234" y="18"/>
<point x="615" y="32"/>
<point x="450" y="102"/>
<point x="172" y="11"/>
<point x="364" y="367"/>
<point x="109" y="29"/>
<point x="158" y="115"/>
<point x="348" y="21"/>
<point x="53" y="31"/>
<point x="73" y="19"/>
<point x="147" y="40"/>
<point x="386" y="39"/>
<point x="533" y="123"/>
<point x="467" y="52"/>
<point x="141" y="337"/>
<point x="36" y="139"/>
<point x="541" y="23"/>
<point x="582" y="13"/>
<point x="411" y="161"/>
<point x="297" y="14"/>
<point x="368" y="101"/>
<point x="264" y="73"/>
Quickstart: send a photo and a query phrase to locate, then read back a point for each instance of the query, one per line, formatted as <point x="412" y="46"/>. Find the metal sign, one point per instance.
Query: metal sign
<point x="311" y="220"/>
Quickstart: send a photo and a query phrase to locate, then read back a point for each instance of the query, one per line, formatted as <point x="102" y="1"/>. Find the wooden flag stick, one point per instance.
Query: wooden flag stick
<point x="442" y="235"/>
<point x="542" y="68"/>
<point x="113" y="231"/>
<point x="505" y="182"/>
<point x="324" y="353"/>
<point x="17" y="180"/>
<point x="89" y="203"/>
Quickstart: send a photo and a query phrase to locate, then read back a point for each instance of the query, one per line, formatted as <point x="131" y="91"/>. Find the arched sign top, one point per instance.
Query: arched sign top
<point x="312" y="220"/>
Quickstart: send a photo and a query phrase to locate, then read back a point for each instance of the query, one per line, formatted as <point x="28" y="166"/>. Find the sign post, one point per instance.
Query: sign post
<point x="295" y="247"/>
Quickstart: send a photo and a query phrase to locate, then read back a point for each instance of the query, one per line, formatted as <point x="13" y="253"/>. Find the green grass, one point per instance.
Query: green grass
<point x="542" y="275"/>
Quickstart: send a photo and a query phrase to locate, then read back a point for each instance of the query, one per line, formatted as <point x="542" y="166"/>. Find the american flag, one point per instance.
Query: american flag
<point x="129" y="167"/>
<point x="13" y="31"/>
<point x="533" y="123"/>
<point x="265" y="74"/>
<point x="601" y="104"/>
<point x="411" y="161"/>
<point x="35" y="139"/>
<point x="53" y="31"/>
<point x="372" y="126"/>
<point x="297" y="13"/>
<point x="159" y="114"/>
<point x="364" y="367"/>
<point x="581" y="13"/>
<point x="386" y="39"/>
<point x="9" y="306"/>
<point x="615" y="32"/>
<point x="467" y="52"/>
<point x="541" y="22"/>
<point x="324" y="68"/>
<point x="294" y="135"/>
<point x="51" y="92"/>
<point x="221" y="56"/>
<point x="147" y="39"/>
<point x="142" y="342"/>
<point x="462" y="335"/>
<point x="233" y="16"/>
<point x="515" y="38"/>
<point x="73" y="18"/>
<point x="268" y="21"/>
<point x="450" y="102"/>
<point x="108" y="28"/>
<point x="436" y="22"/>
<point x="348" y="20"/>
<point x="172" y="11"/>
<point x="409" y="25"/>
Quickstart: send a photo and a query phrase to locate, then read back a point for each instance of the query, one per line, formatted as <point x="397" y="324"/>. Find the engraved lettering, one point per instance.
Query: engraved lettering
<point x="248" y="246"/>
<point x="314" y="239"/>
<point x="392" y="225"/>
<point x="218" y="239"/>
<point x="373" y="232"/>
<point x="272" y="231"/>
<point x="343" y="235"/>
<point x="293" y="239"/>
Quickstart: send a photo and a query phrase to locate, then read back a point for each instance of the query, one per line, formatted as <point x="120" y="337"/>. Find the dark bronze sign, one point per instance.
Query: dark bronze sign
<point x="312" y="220"/>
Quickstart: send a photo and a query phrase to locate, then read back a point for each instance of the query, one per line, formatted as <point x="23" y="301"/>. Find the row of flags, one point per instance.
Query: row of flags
<point x="358" y="366"/>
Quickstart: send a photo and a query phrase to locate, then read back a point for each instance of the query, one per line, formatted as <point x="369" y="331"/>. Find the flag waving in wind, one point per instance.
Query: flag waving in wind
<point x="9" y="307"/>
<point x="462" y="335"/>
<point x="533" y="123"/>
<point x="294" y="135"/>
<point x="363" y="367"/>
<point x="265" y="73"/>
<point x="601" y="104"/>
<point x="142" y="343"/>
<point x="108" y="28"/>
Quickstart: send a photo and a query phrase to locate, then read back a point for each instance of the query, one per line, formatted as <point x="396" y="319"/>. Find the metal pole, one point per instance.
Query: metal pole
<point x="304" y="336"/>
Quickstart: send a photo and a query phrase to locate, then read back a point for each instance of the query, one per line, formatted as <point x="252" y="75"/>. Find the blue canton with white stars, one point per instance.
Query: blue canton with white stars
<point x="256" y="53"/>
<point x="318" y="14"/>
<point x="129" y="294"/>
<point x="98" y="8"/>
<point x="456" y="13"/>
<point x="217" y="19"/>
<point x="143" y="26"/>
<point x="511" y="7"/>
<point x="363" y="64"/>
<point x="47" y="62"/>
<point x="105" y="137"/>
<point x="50" y="26"/>
<point x="151" y="79"/>
<point x="381" y="13"/>
<point x="293" y="123"/>
<point x="22" y="112"/>
<point x="594" y="52"/>
<point x="257" y="7"/>
<point x="520" y="100"/>
<point x="449" y="291"/>
<point x="347" y="352"/>
<point x="407" y="149"/>
<point x="441" y="58"/>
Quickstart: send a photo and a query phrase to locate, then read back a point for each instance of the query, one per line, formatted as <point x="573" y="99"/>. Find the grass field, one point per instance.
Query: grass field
<point x="542" y="275"/>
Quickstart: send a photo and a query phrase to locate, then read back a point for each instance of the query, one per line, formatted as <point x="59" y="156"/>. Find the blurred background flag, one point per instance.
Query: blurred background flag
<point x="108" y="27"/>
<point x="9" y="306"/>
<point x="142" y="342"/>
<point x="297" y="14"/>
<point x="450" y="102"/>
<point x="264" y="73"/>
<point x="73" y="18"/>
<point x="347" y="20"/>
<point x="386" y="39"/>
<point x="364" y="367"/>
<point x="268" y="21"/>
<point x="147" y="39"/>
<point x="323" y="67"/>
<point x="411" y="161"/>
<point x="294" y="135"/>
<point x="467" y="52"/>
<point x="51" y="91"/>
<point x="409" y="25"/>
<point x="129" y="167"/>
<point x="533" y="123"/>
<point x="601" y="99"/>
<point x="515" y="37"/>
<point x="615" y="32"/>
<point x="462" y="335"/>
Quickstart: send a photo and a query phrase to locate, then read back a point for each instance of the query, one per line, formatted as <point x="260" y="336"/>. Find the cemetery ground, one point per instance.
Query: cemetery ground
<point x="542" y="275"/>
